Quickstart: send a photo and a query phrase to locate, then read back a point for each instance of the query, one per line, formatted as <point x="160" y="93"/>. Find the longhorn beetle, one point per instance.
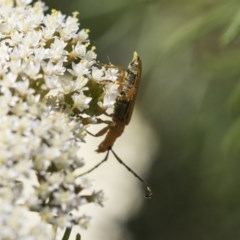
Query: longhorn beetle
<point x="123" y="109"/>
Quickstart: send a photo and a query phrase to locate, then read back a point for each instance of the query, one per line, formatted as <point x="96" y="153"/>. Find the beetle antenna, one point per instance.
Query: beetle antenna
<point x="96" y="166"/>
<point x="148" y="189"/>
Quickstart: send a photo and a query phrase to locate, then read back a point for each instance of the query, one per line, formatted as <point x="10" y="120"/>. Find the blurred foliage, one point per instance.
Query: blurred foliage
<point x="190" y="92"/>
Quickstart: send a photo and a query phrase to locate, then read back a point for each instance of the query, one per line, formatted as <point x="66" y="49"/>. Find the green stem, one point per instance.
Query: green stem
<point x="67" y="233"/>
<point x="78" y="237"/>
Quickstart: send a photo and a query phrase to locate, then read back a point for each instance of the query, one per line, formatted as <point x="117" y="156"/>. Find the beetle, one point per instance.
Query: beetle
<point x="124" y="105"/>
<point x="128" y="86"/>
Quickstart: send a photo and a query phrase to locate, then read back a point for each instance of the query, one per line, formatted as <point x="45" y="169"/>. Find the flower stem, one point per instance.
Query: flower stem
<point x="67" y="233"/>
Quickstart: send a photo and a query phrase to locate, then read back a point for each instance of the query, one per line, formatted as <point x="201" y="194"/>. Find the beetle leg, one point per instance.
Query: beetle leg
<point x="108" y="114"/>
<point x="99" y="120"/>
<point x="89" y="120"/>
<point x="148" y="189"/>
<point x="100" y="133"/>
<point x="96" y="166"/>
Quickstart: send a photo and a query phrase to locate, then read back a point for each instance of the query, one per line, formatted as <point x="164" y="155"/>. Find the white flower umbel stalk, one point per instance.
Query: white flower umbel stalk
<point x="49" y="80"/>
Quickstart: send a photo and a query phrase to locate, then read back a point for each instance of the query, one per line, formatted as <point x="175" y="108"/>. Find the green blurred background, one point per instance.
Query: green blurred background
<point x="190" y="94"/>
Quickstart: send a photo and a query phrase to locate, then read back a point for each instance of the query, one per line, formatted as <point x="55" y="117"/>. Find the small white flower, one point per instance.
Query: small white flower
<point x="111" y="73"/>
<point x="97" y="74"/>
<point x="69" y="85"/>
<point x="81" y="101"/>
<point x="79" y="69"/>
<point x="8" y="80"/>
<point x="111" y="93"/>
<point x="70" y="29"/>
<point x="32" y="69"/>
<point x="57" y="50"/>
<point x="83" y="36"/>
<point x="99" y="197"/>
<point x="80" y="49"/>
<point x="49" y="75"/>
<point x="91" y="56"/>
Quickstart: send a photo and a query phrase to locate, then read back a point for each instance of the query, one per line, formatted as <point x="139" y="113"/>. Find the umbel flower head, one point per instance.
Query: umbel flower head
<point x="49" y="80"/>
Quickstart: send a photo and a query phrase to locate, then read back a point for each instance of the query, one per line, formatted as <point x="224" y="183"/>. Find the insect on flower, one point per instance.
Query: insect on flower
<point x="128" y="86"/>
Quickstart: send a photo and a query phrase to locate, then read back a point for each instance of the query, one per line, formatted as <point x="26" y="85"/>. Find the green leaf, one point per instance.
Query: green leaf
<point x="231" y="143"/>
<point x="233" y="30"/>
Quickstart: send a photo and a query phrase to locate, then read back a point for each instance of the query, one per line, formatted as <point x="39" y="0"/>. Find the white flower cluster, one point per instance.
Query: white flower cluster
<point x="48" y="78"/>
